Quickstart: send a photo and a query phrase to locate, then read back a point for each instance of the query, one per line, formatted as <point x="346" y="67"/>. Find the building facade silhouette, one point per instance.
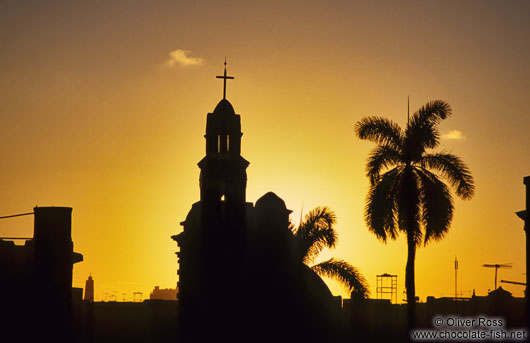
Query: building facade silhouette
<point x="36" y="287"/>
<point x="89" y="289"/>
<point x="163" y="294"/>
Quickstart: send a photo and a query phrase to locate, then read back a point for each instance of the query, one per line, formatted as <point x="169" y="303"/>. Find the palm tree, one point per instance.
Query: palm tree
<point x="315" y="233"/>
<point x="406" y="191"/>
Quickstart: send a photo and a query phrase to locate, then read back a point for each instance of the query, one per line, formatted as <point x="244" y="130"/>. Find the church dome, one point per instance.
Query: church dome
<point x="272" y="202"/>
<point x="224" y="107"/>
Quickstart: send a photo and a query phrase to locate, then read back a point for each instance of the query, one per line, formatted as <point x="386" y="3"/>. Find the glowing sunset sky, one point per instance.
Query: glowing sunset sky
<point x="103" y="108"/>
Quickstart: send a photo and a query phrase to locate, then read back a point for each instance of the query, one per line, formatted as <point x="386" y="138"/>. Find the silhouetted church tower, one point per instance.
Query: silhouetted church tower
<point x="239" y="278"/>
<point x="214" y="230"/>
<point x="223" y="170"/>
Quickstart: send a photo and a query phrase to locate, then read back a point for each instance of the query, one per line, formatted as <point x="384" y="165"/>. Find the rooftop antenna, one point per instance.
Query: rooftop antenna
<point x="456" y="277"/>
<point x="514" y="282"/>
<point x="138" y="297"/>
<point x="497" y="266"/>
<point x="17" y="215"/>
<point x="224" y="77"/>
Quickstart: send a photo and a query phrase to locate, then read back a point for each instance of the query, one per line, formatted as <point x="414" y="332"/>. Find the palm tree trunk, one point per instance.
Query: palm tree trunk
<point x="410" y="198"/>
<point x="409" y="281"/>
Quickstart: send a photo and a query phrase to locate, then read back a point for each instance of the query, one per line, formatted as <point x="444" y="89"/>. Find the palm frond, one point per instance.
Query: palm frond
<point x="345" y="273"/>
<point x="422" y="131"/>
<point x="316" y="232"/>
<point x="383" y="156"/>
<point x="437" y="206"/>
<point x="454" y="170"/>
<point x="431" y="113"/>
<point x="379" y="130"/>
<point x="379" y="211"/>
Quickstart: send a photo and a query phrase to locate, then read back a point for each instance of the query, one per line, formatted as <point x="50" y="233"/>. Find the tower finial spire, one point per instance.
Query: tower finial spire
<point x="224" y="77"/>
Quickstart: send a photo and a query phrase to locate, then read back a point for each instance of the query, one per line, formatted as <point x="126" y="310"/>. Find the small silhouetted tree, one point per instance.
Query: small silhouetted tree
<point x="406" y="191"/>
<point x="317" y="232"/>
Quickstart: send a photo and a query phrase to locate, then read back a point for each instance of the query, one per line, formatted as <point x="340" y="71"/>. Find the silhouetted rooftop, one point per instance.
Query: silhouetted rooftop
<point x="500" y="292"/>
<point x="273" y="202"/>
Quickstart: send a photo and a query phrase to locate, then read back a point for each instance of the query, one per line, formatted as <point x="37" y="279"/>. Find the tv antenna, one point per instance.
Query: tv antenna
<point x="456" y="278"/>
<point x="514" y="282"/>
<point x="497" y="266"/>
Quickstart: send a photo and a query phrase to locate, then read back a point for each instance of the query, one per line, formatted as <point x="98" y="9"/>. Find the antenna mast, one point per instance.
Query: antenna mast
<point x="497" y="266"/>
<point x="456" y="278"/>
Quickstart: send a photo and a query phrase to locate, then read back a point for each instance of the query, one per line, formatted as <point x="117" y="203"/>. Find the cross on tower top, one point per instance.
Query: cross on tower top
<point x="224" y="77"/>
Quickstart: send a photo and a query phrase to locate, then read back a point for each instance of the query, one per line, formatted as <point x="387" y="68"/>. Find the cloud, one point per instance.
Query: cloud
<point x="453" y="135"/>
<point x="182" y="58"/>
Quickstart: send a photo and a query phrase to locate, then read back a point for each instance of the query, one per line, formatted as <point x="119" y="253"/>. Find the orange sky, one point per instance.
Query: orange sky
<point x="94" y="117"/>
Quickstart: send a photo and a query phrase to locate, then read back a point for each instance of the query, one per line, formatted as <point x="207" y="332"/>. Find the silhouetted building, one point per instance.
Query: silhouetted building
<point x="524" y="215"/>
<point x="163" y="294"/>
<point x="36" y="287"/>
<point x="240" y="277"/>
<point x="89" y="289"/>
